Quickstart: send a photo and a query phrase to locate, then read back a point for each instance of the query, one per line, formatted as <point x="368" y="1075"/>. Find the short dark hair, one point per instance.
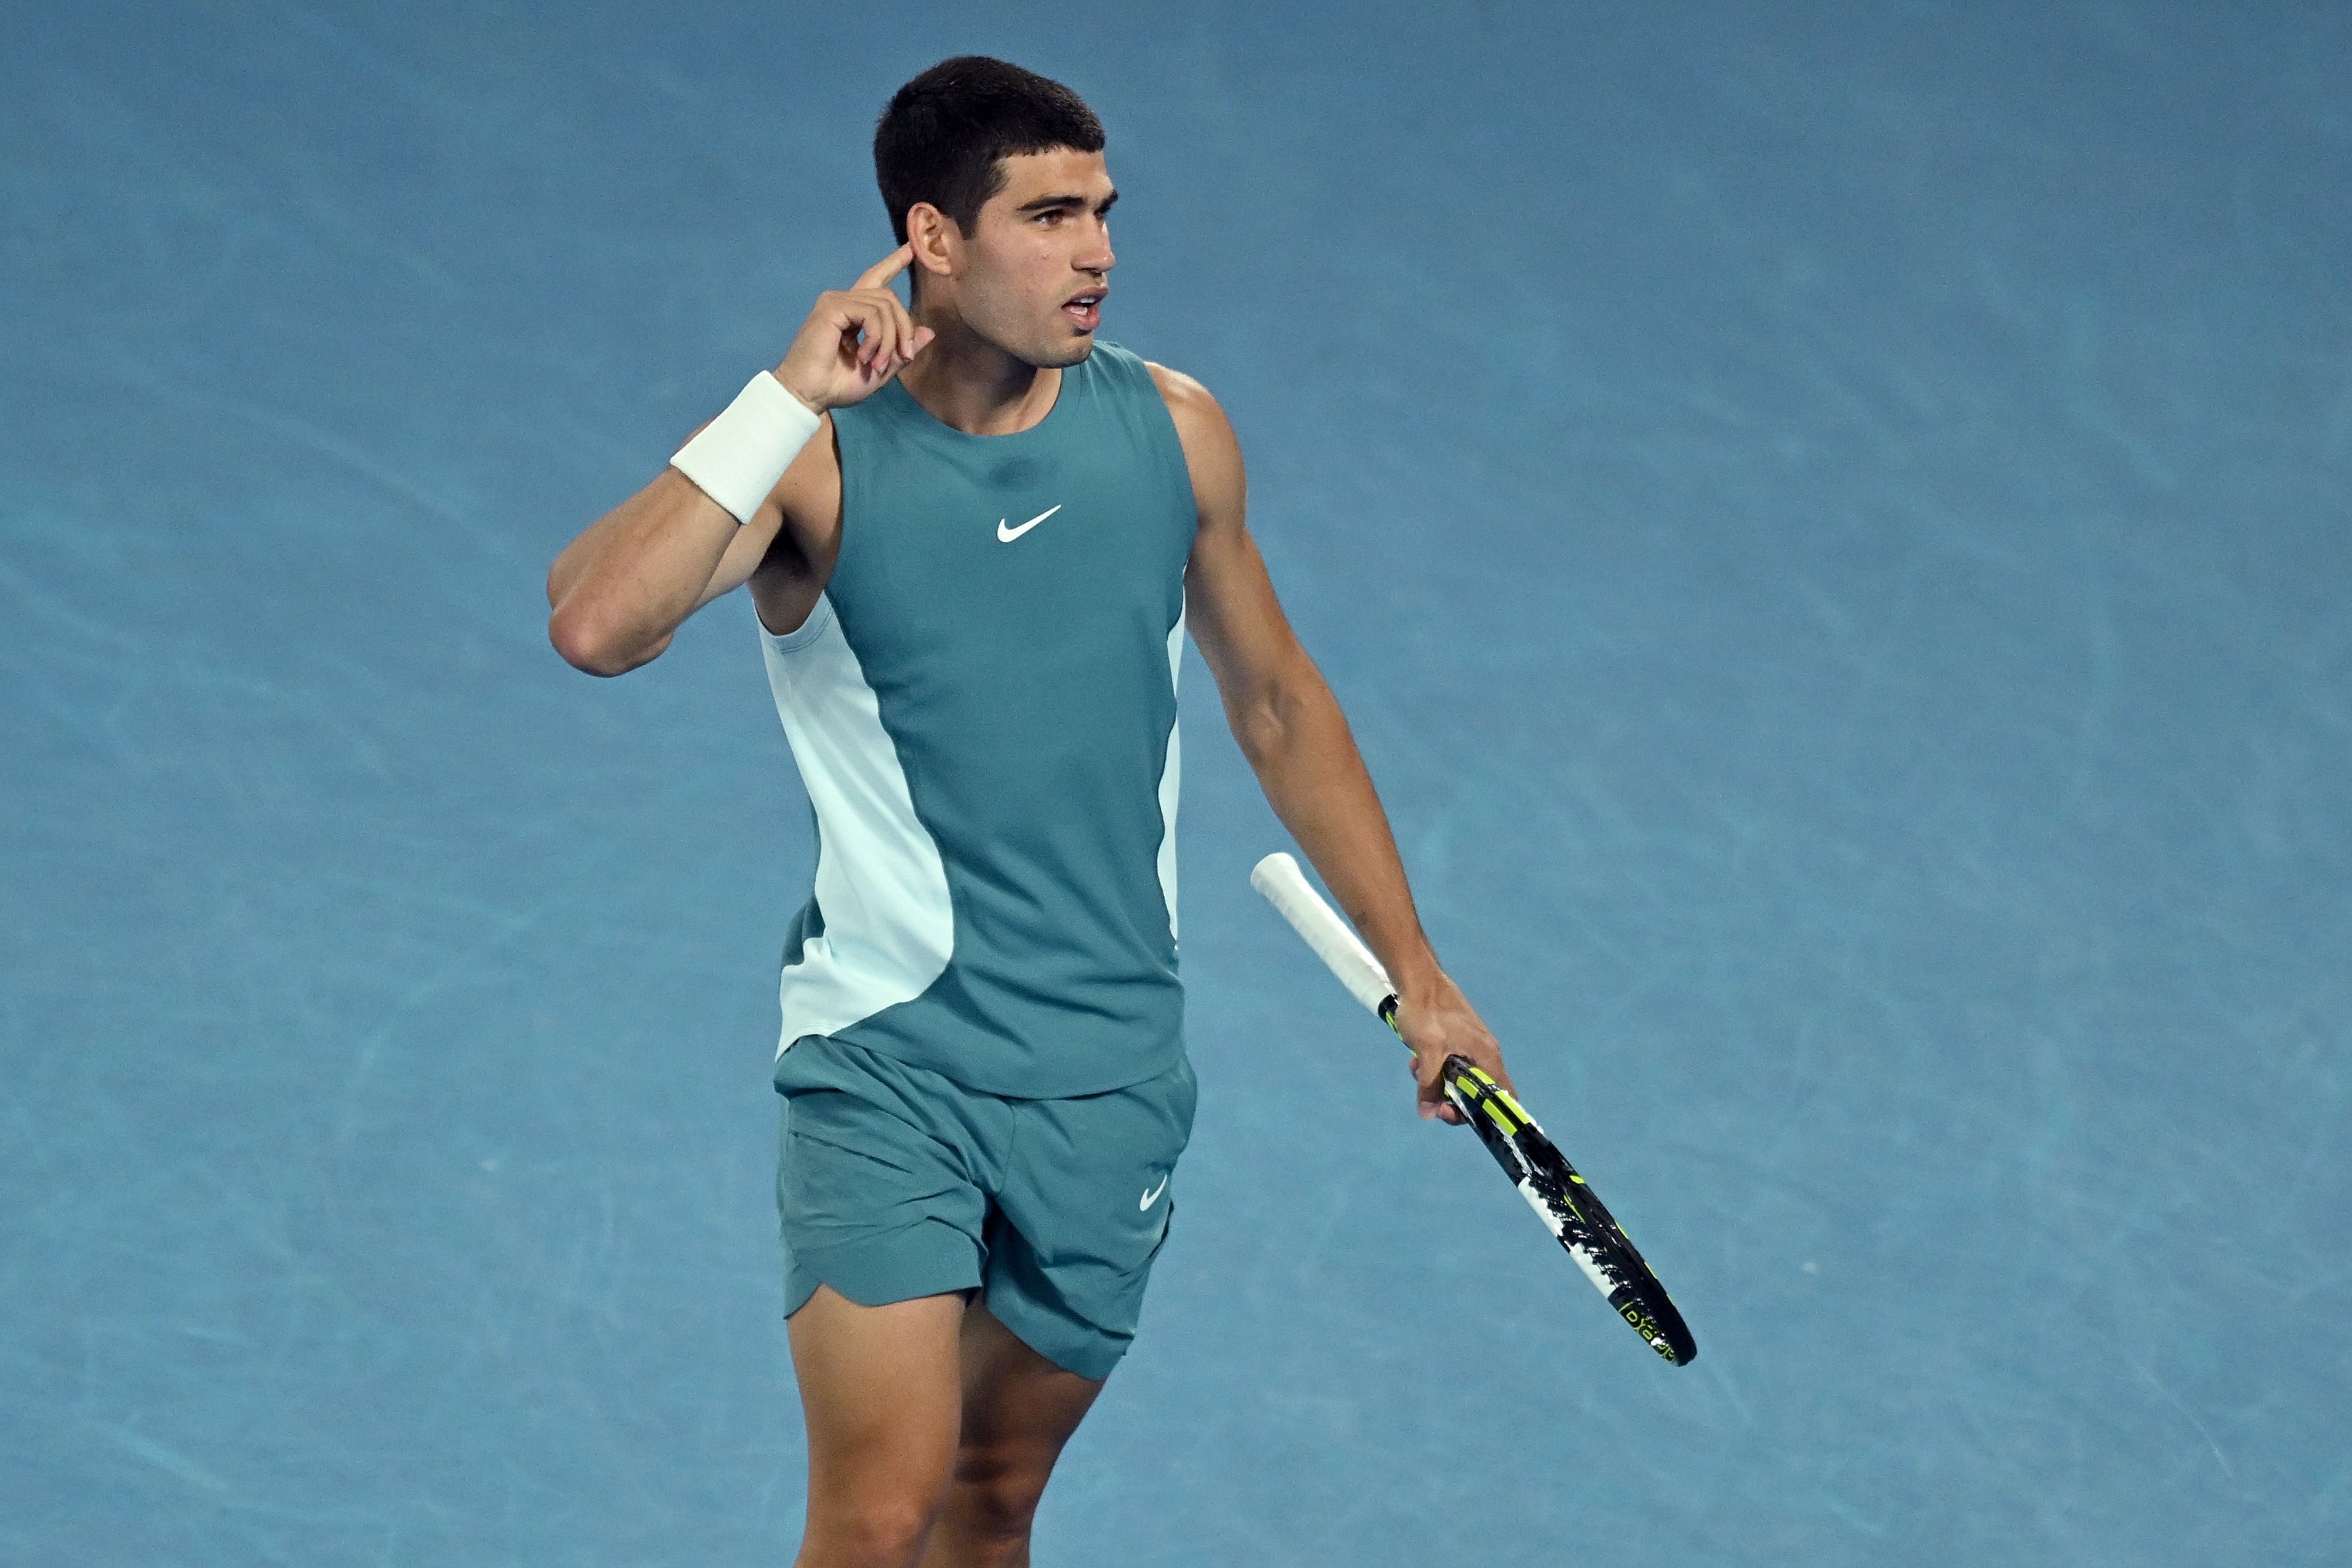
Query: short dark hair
<point x="945" y="133"/>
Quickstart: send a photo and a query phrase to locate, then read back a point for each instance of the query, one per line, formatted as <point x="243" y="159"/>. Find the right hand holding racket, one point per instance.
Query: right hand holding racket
<point x="1439" y="1022"/>
<point x="1443" y="1022"/>
<point x="854" y="340"/>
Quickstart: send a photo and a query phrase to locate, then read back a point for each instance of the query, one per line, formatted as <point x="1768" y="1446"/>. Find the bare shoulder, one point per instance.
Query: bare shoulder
<point x="1189" y="404"/>
<point x="1212" y="451"/>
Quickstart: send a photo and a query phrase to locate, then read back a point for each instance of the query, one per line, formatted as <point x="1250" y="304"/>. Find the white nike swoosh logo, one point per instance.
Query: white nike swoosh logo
<point x="1152" y="1196"/>
<point x="1010" y="535"/>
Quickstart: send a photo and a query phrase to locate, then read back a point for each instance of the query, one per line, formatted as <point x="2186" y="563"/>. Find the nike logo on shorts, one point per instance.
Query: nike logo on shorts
<point x="1152" y="1196"/>
<point x="1009" y="534"/>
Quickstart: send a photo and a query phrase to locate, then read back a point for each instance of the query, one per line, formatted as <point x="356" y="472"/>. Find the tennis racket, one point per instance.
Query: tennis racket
<point x="1569" y="1208"/>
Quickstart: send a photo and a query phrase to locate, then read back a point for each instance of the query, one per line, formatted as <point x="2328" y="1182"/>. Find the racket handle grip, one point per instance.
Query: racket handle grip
<point x="1279" y="879"/>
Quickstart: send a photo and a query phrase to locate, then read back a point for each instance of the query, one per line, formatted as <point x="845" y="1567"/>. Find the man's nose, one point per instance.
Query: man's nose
<point x="1097" y="257"/>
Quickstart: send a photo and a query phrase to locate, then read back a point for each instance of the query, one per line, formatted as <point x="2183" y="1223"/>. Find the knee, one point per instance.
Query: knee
<point x="995" y="1500"/>
<point x="876" y="1533"/>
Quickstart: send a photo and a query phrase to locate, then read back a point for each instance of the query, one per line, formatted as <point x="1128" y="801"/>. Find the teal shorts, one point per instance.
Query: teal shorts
<point x="893" y="1182"/>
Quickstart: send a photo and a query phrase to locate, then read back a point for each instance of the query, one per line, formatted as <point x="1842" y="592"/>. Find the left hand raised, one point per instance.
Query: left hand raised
<point x="1438" y="1021"/>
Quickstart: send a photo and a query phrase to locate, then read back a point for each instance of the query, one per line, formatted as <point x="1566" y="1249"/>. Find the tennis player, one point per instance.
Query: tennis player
<point x="975" y="537"/>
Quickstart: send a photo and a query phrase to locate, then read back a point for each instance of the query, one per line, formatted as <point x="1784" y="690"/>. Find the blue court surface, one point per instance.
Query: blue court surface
<point x="1833" y="524"/>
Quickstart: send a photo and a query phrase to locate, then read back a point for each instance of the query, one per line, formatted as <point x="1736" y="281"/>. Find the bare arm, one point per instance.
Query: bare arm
<point x="617" y="595"/>
<point x="1291" y="728"/>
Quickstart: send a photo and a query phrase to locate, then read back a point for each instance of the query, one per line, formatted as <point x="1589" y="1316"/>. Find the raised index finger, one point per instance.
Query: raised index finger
<point x="889" y="267"/>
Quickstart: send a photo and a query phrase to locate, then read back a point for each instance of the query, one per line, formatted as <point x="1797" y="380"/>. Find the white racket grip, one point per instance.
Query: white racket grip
<point x="1279" y="877"/>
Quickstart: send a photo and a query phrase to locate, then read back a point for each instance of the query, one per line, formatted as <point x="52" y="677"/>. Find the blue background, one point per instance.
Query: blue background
<point x="1830" y="523"/>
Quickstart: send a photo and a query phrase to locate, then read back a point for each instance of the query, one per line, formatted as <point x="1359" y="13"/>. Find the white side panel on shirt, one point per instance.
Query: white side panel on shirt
<point x="888" y="932"/>
<point x="1171" y="777"/>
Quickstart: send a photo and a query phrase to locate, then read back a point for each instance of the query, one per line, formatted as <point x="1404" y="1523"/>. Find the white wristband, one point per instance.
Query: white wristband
<point x="738" y="457"/>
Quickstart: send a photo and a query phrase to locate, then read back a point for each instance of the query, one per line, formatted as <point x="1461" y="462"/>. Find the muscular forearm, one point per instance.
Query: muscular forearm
<point x="1297" y="741"/>
<point x="619" y="592"/>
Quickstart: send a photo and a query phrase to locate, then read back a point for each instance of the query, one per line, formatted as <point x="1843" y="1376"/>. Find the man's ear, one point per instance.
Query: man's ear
<point x="938" y="242"/>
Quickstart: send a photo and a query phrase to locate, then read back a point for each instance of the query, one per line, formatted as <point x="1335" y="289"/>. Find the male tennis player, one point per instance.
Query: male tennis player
<point x="975" y="537"/>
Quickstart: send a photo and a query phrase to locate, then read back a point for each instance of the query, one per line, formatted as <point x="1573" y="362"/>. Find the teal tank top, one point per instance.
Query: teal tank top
<point x="982" y="706"/>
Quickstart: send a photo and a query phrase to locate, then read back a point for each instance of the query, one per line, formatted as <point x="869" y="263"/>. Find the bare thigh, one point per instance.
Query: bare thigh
<point x="1018" y="1410"/>
<point x="883" y="1392"/>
